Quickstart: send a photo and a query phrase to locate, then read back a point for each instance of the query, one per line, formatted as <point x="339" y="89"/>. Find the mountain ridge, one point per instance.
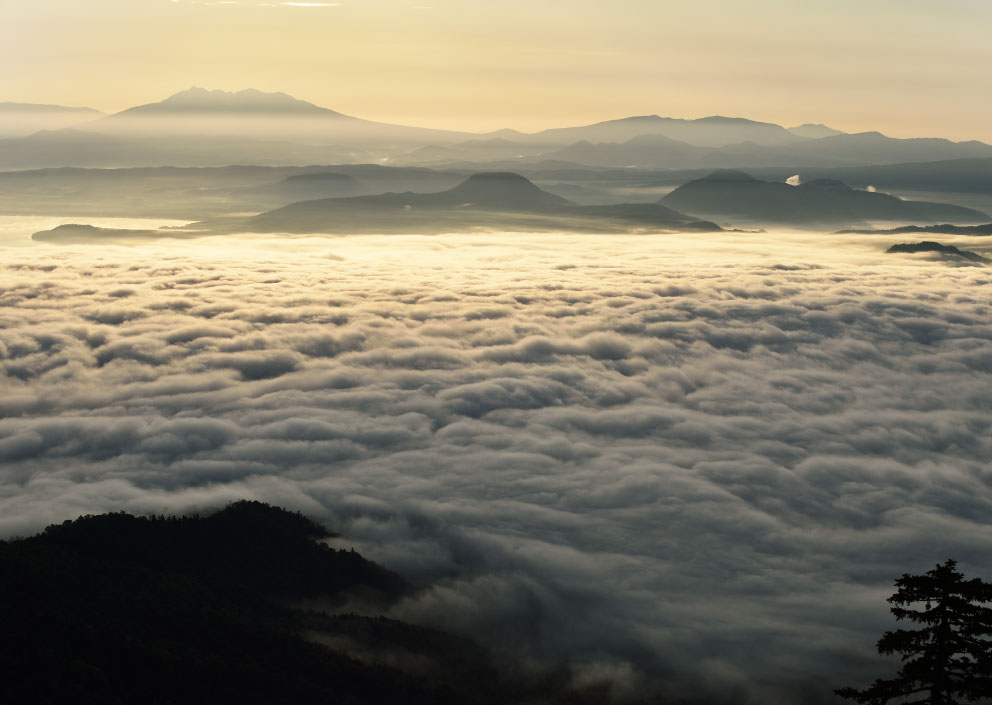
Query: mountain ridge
<point x="487" y="200"/>
<point x="728" y="194"/>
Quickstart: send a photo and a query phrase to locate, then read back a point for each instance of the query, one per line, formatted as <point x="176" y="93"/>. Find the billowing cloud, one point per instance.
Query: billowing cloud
<point x="684" y="463"/>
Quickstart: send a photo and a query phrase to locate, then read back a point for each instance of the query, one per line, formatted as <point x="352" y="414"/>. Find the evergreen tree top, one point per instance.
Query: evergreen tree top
<point x="948" y="660"/>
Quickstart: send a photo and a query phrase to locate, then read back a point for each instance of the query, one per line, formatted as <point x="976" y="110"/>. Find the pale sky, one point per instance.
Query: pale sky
<point x="905" y="67"/>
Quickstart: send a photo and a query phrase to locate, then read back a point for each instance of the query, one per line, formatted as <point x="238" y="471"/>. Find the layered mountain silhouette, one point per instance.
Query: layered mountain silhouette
<point x="494" y="200"/>
<point x="22" y="119"/>
<point x="876" y="148"/>
<point x="714" y="131"/>
<point x="942" y="228"/>
<point x="645" y="151"/>
<point x="730" y="195"/>
<point x="199" y="127"/>
<point x="194" y="194"/>
<point x="661" y="152"/>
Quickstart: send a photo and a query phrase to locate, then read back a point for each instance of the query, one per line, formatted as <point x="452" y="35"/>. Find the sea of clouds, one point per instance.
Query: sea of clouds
<point x="686" y="462"/>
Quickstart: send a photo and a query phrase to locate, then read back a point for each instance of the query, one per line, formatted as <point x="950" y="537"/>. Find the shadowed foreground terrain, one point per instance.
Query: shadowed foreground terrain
<point x="121" y="609"/>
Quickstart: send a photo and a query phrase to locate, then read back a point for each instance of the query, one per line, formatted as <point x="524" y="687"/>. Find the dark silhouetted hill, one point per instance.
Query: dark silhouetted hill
<point x="497" y="191"/>
<point x="949" y="175"/>
<point x="929" y="246"/>
<point x="117" y="609"/>
<point x="494" y="200"/>
<point x="253" y="545"/>
<point x="735" y="195"/>
<point x="76" y="233"/>
<point x="176" y="610"/>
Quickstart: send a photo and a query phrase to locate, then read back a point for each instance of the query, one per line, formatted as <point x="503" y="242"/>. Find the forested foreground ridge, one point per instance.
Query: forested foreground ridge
<point x="123" y="609"/>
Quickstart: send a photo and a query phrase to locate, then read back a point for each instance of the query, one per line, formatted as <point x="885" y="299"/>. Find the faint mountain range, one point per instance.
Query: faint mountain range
<point x="644" y="151"/>
<point x="21" y="119"/>
<point x="876" y="148"/>
<point x="715" y="131"/>
<point x="660" y="152"/>
<point x="199" y="127"/>
<point x="942" y="228"/>
<point x="729" y="195"/>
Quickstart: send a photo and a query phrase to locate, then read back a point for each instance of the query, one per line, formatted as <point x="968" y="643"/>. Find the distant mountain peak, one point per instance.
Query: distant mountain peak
<point x="504" y="180"/>
<point x="725" y="119"/>
<point x="501" y="190"/>
<point x="248" y="101"/>
<point x="196" y="93"/>
<point x="501" y="177"/>
<point x="814" y="130"/>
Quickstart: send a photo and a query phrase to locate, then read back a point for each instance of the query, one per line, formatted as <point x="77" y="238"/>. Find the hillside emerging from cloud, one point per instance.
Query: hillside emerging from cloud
<point x="201" y="608"/>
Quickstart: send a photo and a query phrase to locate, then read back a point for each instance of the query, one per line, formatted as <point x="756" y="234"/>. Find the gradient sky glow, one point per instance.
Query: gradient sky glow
<point x="905" y="67"/>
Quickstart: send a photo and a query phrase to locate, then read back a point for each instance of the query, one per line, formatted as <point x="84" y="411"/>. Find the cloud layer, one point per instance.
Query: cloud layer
<point x="691" y="463"/>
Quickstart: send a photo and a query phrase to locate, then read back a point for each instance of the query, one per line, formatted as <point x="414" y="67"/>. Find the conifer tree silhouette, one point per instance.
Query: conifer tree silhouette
<point x="948" y="661"/>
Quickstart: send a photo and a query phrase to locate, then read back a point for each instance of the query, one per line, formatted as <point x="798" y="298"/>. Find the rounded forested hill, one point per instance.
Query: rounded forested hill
<point x="123" y="609"/>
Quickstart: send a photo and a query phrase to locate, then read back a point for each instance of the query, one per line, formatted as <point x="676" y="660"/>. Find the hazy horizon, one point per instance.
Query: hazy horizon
<point x="903" y="68"/>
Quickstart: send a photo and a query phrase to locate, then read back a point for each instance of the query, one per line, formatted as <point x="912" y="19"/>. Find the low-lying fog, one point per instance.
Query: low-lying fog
<point x="693" y="462"/>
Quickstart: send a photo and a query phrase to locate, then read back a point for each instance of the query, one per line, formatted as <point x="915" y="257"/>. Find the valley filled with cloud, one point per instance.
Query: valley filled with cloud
<point x="641" y="456"/>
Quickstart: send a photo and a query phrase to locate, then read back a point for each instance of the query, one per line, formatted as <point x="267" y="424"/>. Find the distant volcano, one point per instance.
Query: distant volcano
<point x="200" y="101"/>
<point x="203" y="114"/>
<point x="500" y="191"/>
